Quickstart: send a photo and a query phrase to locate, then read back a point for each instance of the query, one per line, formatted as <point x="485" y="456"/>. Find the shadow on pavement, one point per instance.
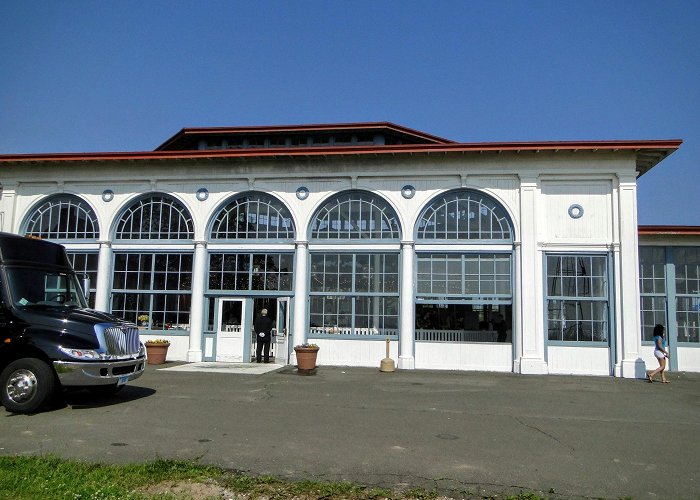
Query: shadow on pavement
<point x="84" y="399"/>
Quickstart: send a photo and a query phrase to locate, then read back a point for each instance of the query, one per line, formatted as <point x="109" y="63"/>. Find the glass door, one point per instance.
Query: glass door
<point x="282" y="346"/>
<point x="233" y="330"/>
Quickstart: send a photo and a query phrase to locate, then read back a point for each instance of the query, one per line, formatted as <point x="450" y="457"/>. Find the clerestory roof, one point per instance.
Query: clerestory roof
<point x="402" y="142"/>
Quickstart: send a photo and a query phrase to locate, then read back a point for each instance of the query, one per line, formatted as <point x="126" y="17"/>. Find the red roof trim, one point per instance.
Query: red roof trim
<point x="661" y="147"/>
<point x="194" y="131"/>
<point x="669" y="230"/>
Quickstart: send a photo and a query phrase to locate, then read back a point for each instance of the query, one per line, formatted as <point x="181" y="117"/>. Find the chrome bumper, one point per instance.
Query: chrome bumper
<point x="72" y="373"/>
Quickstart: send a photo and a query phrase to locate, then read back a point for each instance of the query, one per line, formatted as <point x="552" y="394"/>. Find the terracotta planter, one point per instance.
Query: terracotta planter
<point x="156" y="352"/>
<point x="306" y="357"/>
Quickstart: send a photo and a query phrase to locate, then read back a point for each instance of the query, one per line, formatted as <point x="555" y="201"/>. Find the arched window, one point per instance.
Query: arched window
<point x="258" y="218"/>
<point x="151" y="284"/>
<point x="355" y="215"/>
<point x="63" y="217"/>
<point x="464" y="215"/>
<point x="67" y="218"/>
<point x="464" y="295"/>
<point x="157" y="217"/>
<point x="253" y="216"/>
<point x="354" y="294"/>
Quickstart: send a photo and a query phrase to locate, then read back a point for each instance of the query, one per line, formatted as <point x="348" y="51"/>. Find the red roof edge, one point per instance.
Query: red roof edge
<point x="662" y="147"/>
<point x="669" y="230"/>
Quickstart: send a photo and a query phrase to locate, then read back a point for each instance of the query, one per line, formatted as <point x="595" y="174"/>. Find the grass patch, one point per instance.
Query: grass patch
<point x="56" y="478"/>
<point x="52" y="477"/>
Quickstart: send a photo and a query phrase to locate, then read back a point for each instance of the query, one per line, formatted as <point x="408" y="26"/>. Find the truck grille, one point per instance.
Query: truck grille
<point x="122" y="341"/>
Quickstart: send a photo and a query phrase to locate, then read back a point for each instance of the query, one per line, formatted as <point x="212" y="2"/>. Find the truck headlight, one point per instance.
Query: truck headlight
<point x="81" y="353"/>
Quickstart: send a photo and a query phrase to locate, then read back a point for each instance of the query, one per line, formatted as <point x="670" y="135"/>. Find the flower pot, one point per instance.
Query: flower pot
<point x="306" y="357"/>
<point x="156" y="352"/>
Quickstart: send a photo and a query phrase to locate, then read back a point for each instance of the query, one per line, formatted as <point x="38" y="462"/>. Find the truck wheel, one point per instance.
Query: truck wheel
<point x="26" y="384"/>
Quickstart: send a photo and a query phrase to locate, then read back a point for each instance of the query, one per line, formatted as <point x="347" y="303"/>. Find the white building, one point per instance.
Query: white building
<point x="354" y="233"/>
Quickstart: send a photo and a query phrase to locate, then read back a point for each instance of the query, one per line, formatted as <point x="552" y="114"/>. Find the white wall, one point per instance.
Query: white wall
<point x="464" y="356"/>
<point x="558" y="180"/>
<point x="578" y="360"/>
<point x="340" y="352"/>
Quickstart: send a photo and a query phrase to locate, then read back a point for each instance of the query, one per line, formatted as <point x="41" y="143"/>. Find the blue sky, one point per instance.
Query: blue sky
<point x="125" y="75"/>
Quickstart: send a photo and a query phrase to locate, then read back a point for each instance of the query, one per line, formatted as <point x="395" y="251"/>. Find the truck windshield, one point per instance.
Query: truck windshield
<point x="30" y="287"/>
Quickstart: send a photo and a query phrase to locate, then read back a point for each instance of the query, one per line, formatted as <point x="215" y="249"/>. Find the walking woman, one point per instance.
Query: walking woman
<point x="660" y="353"/>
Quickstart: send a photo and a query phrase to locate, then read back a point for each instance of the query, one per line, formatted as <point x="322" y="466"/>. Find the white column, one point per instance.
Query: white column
<point x="408" y="307"/>
<point x="530" y="296"/>
<point x="199" y="278"/>
<point x="516" y="327"/>
<point x="7" y="207"/>
<point x="104" y="275"/>
<point x="632" y="365"/>
<point x="301" y="293"/>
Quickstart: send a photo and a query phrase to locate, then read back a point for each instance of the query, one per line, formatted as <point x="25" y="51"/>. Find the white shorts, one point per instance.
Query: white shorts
<point x="659" y="354"/>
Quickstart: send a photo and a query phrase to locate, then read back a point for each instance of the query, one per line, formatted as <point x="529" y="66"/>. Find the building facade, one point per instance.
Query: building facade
<point x="669" y="271"/>
<point x="517" y="257"/>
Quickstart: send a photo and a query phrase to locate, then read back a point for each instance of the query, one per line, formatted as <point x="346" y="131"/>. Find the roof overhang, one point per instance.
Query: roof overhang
<point x="648" y="153"/>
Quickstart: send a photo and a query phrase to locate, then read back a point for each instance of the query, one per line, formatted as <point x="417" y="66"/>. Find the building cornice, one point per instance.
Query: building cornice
<point x="648" y="152"/>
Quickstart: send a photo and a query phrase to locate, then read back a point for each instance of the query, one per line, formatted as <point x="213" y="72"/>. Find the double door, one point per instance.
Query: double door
<point x="235" y="338"/>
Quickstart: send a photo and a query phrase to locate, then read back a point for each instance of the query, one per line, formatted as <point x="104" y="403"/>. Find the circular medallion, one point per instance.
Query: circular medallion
<point x="575" y="211"/>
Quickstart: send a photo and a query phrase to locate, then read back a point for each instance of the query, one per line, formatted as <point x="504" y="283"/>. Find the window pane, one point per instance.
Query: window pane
<point x="254" y="215"/>
<point x="357" y="295"/>
<point x="462" y="275"/>
<point x="355" y="215"/>
<point x="144" y="286"/>
<point x="63" y="217"/>
<point x="159" y="217"/>
<point x="688" y="318"/>
<point x="464" y="215"/>
<point x="584" y="317"/>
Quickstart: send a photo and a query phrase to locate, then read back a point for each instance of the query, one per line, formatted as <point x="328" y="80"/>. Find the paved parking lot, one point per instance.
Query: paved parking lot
<point x="456" y="431"/>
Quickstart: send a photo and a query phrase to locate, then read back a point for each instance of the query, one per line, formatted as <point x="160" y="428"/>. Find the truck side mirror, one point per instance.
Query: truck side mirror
<point x="86" y="287"/>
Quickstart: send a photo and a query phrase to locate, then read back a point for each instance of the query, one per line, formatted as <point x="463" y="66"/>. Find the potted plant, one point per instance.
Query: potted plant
<point x="143" y="320"/>
<point x="306" y="356"/>
<point x="156" y="351"/>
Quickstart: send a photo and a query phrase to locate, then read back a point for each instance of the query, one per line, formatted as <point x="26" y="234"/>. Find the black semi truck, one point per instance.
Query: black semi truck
<point x="49" y="339"/>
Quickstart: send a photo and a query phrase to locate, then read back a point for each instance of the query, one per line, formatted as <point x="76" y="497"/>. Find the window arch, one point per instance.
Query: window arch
<point x="63" y="217"/>
<point x="156" y="217"/>
<point x="464" y="215"/>
<point x="355" y="215"/>
<point x="464" y="293"/>
<point x="253" y="215"/>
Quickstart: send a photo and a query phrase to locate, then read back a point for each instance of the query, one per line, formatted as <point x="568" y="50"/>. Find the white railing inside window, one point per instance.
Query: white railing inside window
<point x="337" y="330"/>
<point x="233" y="328"/>
<point x="457" y="335"/>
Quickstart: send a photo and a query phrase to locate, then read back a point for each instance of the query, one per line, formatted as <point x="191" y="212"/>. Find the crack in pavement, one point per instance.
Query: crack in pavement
<point x="557" y="440"/>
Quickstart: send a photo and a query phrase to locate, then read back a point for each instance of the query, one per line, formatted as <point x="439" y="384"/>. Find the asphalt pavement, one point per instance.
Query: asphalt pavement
<point x="461" y="433"/>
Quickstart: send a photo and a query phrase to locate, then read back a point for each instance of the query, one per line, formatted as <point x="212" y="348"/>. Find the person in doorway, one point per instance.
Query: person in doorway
<point x="660" y="353"/>
<point x="263" y="330"/>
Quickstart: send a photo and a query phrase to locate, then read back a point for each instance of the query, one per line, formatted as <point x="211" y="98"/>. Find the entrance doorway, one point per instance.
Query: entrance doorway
<point x="233" y="316"/>
<point x="235" y="339"/>
<point x="278" y="312"/>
